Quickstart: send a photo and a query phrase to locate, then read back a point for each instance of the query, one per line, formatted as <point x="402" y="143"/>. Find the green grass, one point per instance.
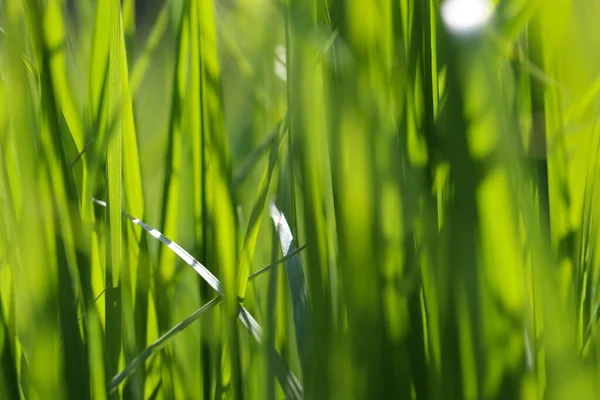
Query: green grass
<point x="423" y="201"/>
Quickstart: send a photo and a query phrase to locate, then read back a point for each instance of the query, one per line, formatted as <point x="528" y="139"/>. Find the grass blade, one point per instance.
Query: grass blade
<point x="158" y="31"/>
<point x="296" y="280"/>
<point x="255" y="216"/>
<point x="252" y="159"/>
<point x="158" y="344"/>
<point x="287" y="379"/>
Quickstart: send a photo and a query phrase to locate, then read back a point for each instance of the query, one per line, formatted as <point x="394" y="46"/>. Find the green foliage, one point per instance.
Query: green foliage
<point x="423" y="198"/>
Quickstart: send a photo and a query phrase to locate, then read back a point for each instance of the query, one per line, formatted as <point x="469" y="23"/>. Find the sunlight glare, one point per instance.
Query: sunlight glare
<point x="464" y="16"/>
<point x="280" y="63"/>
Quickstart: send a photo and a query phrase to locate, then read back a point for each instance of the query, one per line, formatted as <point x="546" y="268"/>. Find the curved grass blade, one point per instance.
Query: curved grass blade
<point x="184" y="255"/>
<point x="160" y="343"/>
<point x="296" y="280"/>
<point x="289" y="383"/>
<point x="30" y="66"/>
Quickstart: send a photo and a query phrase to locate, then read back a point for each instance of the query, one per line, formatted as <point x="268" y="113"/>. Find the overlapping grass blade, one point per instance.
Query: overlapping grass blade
<point x="253" y="158"/>
<point x="135" y="272"/>
<point x="169" y="206"/>
<point x="438" y="262"/>
<point x="160" y="343"/>
<point x="287" y="379"/>
<point x="58" y="187"/>
<point x="255" y="216"/>
<point x="296" y="281"/>
<point x="114" y="173"/>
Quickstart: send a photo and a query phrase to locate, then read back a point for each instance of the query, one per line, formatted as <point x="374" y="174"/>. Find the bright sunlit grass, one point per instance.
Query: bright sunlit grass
<point x="324" y="200"/>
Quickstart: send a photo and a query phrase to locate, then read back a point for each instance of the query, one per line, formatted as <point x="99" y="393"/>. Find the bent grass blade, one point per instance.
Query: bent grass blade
<point x="289" y="383"/>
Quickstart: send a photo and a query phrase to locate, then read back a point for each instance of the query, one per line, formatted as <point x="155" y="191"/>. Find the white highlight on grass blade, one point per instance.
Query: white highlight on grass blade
<point x="283" y="229"/>
<point x="280" y="63"/>
<point x="289" y="382"/>
<point x="528" y="350"/>
<point x="296" y="280"/>
<point x="184" y="255"/>
<point x="464" y="16"/>
<point x="251" y="324"/>
<point x="246" y="318"/>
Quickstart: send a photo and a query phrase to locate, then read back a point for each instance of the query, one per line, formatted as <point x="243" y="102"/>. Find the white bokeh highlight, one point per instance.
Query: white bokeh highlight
<point x="465" y="16"/>
<point x="279" y="66"/>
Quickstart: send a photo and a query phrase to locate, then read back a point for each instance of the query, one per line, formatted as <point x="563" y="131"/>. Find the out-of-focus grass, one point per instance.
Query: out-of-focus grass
<point x="440" y="187"/>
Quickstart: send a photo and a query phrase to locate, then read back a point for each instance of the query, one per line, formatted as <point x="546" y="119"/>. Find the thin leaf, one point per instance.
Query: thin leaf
<point x="160" y="343"/>
<point x="266" y="269"/>
<point x="158" y="31"/>
<point x="296" y="279"/>
<point x="251" y="160"/>
<point x="255" y="216"/>
<point x="286" y="378"/>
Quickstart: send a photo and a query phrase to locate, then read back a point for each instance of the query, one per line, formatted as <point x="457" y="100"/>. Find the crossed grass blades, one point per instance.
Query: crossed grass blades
<point x="443" y="185"/>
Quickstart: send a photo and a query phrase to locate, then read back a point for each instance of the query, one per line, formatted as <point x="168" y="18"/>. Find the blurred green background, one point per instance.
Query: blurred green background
<point x="385" y="199"/>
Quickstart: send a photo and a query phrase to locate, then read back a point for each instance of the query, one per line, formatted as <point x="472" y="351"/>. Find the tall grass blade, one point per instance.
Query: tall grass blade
<point x="296" y="282"/>
<point x="9" y="387"/>
<point x="255" y="216"/>
<point x="59" y="189"/>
